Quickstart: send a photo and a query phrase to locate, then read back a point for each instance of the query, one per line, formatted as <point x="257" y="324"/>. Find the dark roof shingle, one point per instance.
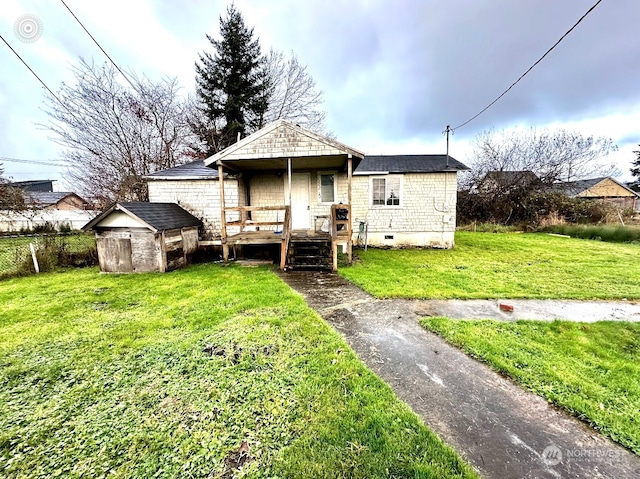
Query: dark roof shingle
<point x="160" y="216"/>
<point x="408" y="164"/>
<point x="195" y="169"/>
<point x="48" y="197"/>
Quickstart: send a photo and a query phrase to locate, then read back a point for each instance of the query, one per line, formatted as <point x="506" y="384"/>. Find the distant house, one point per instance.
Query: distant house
<point x="603" y="189"/>
<point x="308" y="194"/>
<point x="34" y="185"/>
<point x="43" y="207"/>
<point x="55" y="200"/>
<point x="142" y="237"/>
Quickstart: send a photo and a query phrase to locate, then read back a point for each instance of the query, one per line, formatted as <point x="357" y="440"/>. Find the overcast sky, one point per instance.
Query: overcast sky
<point x="393" y="73"/>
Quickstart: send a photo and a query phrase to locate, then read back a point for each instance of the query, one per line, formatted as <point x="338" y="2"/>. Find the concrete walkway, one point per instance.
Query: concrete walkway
<point x="540" y="309"/>
<point x="503" y="431"/>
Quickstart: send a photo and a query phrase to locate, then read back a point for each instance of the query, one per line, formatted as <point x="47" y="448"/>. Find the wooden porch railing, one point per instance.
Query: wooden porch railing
<point x="244" y="223"/>
<point x="341" y="216"/>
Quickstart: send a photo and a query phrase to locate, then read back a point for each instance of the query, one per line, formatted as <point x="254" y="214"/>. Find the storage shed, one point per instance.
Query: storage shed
<point x="134" y="237"/>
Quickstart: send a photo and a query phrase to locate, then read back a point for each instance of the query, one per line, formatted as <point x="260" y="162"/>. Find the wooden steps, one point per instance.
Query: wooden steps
<point x="309" y="253"/>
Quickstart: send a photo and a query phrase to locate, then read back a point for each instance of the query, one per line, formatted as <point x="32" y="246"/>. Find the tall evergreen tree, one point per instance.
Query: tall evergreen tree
<point x="635" y="171"/>
<point x="231" y="85"/>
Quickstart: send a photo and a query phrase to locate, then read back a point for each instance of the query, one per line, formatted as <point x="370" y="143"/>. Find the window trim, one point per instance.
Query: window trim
<point x="400" y="192"/>
<point x="335" y="186"/>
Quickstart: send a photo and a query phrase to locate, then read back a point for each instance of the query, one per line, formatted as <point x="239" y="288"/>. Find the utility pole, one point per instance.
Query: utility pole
<point x="446" y="132"/>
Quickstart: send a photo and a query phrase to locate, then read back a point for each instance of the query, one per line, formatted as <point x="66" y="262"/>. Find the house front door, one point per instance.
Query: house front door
<point x="300" y="219"/>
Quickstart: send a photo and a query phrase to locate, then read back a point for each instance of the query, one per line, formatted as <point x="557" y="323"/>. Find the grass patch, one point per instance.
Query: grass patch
<point x="615" y="234"/>
<point x="588" y="369"/>
<point x="208" y="371"/>
<point x="506" y="265"/>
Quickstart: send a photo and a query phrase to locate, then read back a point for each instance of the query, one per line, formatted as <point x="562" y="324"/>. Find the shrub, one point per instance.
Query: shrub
<point x="55" y="251"/>
<point x="531" y="209"/>
<point x="615" y="234"/>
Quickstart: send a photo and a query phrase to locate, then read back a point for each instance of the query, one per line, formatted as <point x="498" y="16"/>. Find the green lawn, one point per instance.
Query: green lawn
<point x="589" y="369"/>
<point x="507" y="265"/>
<point x="191" y="374"/>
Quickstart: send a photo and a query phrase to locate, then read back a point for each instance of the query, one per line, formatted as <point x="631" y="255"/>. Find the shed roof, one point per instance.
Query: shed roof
<point x="196" y="170"/>
<point x="379" y="164"/>
<point x="156" y="216"/>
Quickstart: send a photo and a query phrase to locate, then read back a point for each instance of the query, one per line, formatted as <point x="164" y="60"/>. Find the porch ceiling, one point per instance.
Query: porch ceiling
<point x="328" y="162"/>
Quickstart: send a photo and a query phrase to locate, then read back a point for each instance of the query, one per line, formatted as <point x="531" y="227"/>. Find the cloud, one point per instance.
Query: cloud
<point x="394" y="74"/>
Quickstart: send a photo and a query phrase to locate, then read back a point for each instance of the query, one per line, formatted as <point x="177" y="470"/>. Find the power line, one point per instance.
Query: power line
<point x="530" y="68"/>
<point x="100" y="47"/>
<point x="34" y="74"/>
<point x="35" y="162"/>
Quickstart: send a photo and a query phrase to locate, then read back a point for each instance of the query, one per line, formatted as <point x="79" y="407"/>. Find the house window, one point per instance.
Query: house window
<point x="327" y="187"/>
<point x="385" y="191"/>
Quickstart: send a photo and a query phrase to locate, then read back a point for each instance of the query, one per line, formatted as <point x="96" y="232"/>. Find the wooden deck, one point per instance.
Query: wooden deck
<point x="291" y="241"/>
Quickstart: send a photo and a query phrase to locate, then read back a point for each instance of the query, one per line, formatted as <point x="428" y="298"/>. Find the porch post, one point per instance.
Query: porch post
<point x="289" y="178"/>
<point x="350" y="223"/>
<point x="223" y="215"/>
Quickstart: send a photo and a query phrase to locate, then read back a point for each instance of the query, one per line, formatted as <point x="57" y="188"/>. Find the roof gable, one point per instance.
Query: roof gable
<point x="155" y="216"/>
<point x="282" y="139"/>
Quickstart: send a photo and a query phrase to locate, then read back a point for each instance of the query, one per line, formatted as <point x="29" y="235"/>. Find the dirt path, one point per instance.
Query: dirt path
<point x="499" y="428"/>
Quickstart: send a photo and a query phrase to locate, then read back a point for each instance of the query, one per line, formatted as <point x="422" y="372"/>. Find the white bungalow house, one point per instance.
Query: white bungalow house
<point x="311" y="194"/>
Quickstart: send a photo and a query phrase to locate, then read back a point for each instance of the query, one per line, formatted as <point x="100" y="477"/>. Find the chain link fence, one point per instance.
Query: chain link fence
<point x="17" y="253"/>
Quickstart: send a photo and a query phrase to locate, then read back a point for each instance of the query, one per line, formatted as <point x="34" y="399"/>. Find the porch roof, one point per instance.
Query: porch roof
<point x="270" y="147"/>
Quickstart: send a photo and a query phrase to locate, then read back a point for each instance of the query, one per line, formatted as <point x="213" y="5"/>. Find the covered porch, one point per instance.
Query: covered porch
<point x="295" y="189"/>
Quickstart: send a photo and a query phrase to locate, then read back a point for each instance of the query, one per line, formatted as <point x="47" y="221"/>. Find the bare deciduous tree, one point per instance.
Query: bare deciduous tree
<point x="553" y="155"/>
<point x="292" y="93"/>
<point x="114" y="135"/>
<point x="513" y="171"/>
<point x="11" y="197"/>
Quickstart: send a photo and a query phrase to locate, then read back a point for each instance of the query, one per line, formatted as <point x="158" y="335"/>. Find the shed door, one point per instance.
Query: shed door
<point x="114" y="255"/>
<point x="300" y="210"/>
